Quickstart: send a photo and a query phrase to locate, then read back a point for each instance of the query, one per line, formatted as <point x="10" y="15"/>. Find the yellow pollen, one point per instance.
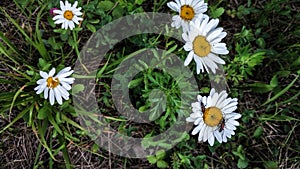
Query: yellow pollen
<point x="201" y="46"/>
<point x="212" y="116"/>
<point x="187" y="12"/>
<point x="52" y="83"/>
<point x="68" y="15"/>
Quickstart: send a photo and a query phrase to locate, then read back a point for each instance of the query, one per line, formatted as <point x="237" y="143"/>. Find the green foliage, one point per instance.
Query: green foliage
<point x="158" y="159"/>
<point x="240" y="153"/>
<point x="243" y="63"/>
<point x="262" y="70"/>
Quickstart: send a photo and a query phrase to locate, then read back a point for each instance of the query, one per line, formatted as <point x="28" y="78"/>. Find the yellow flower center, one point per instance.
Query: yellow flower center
<point x="212" y="116"/>
<point x="201" y="46"/>
<point x="187" y="12"/>
<point x="52" y="83"/>
<point x="68" y="15"/>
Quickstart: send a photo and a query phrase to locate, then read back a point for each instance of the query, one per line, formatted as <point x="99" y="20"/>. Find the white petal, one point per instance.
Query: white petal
<point x="190" y="119"/>
<point x="188" y="46"/>
<point x="189" y="58"/>
<point x="66" y="85"/>
<point x="64" y="93"/>
<point x="62" y="6"/>
<point x="216" y="59"/>
<point x="233" y="122"/>
<point x="59" y="12"/>
<point x="66" y="69"/>
<point x="196" y="130"/>
<point x="57" y="96"/>
<point x="64" y="74"/>
<point x="212" y="24"/>
<point x="75" y="4"/>
<point x="41" y="88"/>
<point x="212" y="65"/>
<point x="198" y="121"/>
<point x="51" y="97"/>
<point x="52" y="71"/>
<point x="69" y="80"/>
<point x="199" y="64"/>
<point x="229" y="110"/>
<point x="185" y="37"/>
<point x="173" y="6"/>
<point x="176" y="21"/>
<point x="211" y="138"/>
<point x="218" y="136"/>
<point x="44" y="74"/>
<point x="59" y="18"/>
<point x="202" y="131"/>
<point x="46" y="93"/>
<point x="220" y="48"/>
<point x="41" y="81"/>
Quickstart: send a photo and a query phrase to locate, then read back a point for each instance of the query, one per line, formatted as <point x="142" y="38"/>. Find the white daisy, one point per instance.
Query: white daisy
<point x="67" y="15"/>
<point x="56" y="87"/>
<point x="214" y="117"/>
<point x="203" y="42"/>
<point x="188" y="11"/>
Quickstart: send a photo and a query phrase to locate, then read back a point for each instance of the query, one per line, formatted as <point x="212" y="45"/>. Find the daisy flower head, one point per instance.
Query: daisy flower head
<point x="67" y="15"/>
<point x="203" y="43"/>
<point x="55" y="87"/>
<point x="188" y="11"/>
<point x="214" y="117"/>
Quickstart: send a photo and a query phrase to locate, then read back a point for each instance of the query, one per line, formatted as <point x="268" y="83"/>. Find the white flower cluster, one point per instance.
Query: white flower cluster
<point x="213" y="115"/>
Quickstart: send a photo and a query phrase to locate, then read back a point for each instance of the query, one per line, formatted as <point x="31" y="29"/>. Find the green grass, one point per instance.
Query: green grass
<point x="262" y="71"/>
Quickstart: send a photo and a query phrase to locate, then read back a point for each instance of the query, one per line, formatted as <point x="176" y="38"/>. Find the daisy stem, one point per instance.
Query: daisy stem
<point x="75" y="40"/>
<point x="65" y="151"/>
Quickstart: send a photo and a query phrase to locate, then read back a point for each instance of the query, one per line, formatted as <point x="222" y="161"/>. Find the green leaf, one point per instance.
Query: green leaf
<point x="118" y="12"/>
<point x="242" y="163"/>
<point x="274" y="81"/>
<point x="151" y="159"/>
<point x="91" y="27"/>
<point x="218" y="12"/>
<point x="105" y="5"/>
<point x="43" y="112"/>
<point x="281" y="92"/>
<point x="260" y="87"/>
<point x="139" y="2"/>
<point x="261" y="43"/>
<point x="77" y="88"/>
<point x="162" y="164"/>
<point x="160" y="154"/>
<point x="270" y="164"/>
<point x="296" y="62"/>
<point x="258" y="132"/>
<point x="134" y="83"/>
<point x="94" y="21"/>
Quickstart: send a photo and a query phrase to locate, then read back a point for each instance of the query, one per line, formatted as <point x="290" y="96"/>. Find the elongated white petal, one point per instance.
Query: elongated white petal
<point x="51" y="97"/>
